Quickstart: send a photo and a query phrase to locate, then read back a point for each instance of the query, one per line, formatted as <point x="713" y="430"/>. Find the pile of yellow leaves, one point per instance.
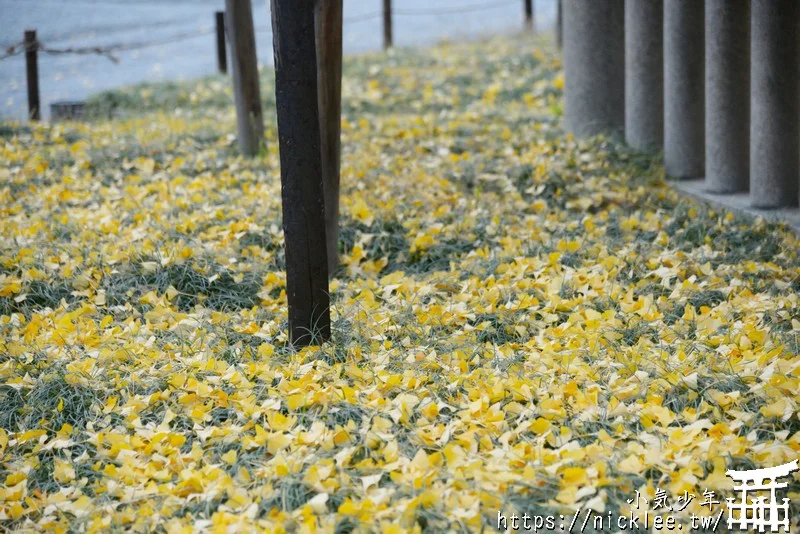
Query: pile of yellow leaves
<point x="522" y="322"/>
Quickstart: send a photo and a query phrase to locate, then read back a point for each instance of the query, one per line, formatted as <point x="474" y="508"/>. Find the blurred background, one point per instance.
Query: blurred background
<point x="175" y="40"/>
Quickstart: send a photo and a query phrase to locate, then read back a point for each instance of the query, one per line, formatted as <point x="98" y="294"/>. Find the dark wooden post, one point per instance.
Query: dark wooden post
<point x="528" y="14"/>
<point x="296" y="99"/>
<point x="222" y="58"/>
<point x="32" y="71"/>
<point x="328" y="19"/>
<point x="241" y="36"/>
<point x="388" y="41"/>
<point x="560" y="24"/>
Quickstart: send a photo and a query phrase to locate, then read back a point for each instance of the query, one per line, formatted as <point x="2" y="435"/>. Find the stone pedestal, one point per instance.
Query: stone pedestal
<point x="66" y="110"/>
<point x="594" y="66"/>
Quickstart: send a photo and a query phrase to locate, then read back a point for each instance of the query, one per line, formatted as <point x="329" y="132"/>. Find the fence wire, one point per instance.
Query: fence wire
<point x="110" y="51"/>
<point x="107" y="51"/>
<point x="433" y="11"/>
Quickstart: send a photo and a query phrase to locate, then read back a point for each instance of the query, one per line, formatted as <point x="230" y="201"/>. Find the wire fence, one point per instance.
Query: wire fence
<point x="433" y="11"/>
<point x="107" y="51"/>
<point x="110" y="51"/>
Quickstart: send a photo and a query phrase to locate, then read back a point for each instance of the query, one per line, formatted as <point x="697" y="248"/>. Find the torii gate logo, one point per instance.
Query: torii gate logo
<point x="759" y="513"/>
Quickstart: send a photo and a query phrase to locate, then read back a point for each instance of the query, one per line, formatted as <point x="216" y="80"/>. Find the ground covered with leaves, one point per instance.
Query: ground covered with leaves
<point x="522" y="322"/>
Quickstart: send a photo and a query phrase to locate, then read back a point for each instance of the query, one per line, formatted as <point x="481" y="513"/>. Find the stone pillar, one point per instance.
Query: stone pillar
<point x="775" y="114"/>
<point x="594" y="66"/>
<point x="644" y="74"/>
<point x="684" y="94"/>
<point x="727" y="95"/>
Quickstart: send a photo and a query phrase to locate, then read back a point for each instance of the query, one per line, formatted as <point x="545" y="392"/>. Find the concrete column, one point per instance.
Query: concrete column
<point x="594" y="66"/>
<point x="684" y="94"/>
<point x="644" y="74"/>
<point x="727" y="95"/>
<point x="775" y="114"/>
